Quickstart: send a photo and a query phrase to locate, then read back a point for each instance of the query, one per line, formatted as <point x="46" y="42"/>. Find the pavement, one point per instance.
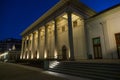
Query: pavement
<point x="9" y="71"/>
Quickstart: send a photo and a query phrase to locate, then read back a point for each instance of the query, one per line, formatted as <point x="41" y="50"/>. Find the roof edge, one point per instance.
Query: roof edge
<point x="105" y="11"/>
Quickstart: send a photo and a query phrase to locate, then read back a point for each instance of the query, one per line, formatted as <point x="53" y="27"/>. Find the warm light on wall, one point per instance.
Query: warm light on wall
<point x="27" y="56"/>
<point x="69" y="53"/>
<point x="24" y="56"/>
<point x="45" y="54"/>
<point x="32" y="56"/>
<point x="37" y="55"/>
<point x="55" y="54"/>
<point x="21" y="56"/>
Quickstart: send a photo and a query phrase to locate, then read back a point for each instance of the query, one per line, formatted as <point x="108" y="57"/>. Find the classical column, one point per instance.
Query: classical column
<point x="33" y="40"/>
<point x="55" y="38"/>
<point x="70" y="35"/>
<point x="24" y="47"/>
<point x="38" y="46"/>
<point x="29" y="47"/>
<point x="22" y="52"/>
<point x="25" y="57"/>
<point x="45" y="45"/>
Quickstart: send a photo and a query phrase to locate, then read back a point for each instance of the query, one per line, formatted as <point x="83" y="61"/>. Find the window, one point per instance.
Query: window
<point x="75" y="23"/>
<point x="96" y="41"/>
<point x="117" y="37"/>
<point x="63" y="28"/>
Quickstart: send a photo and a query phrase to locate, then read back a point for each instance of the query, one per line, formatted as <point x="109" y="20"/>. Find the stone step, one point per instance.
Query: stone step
<point x="89" y="67"/>
<point x="98" y="65"/>
<point x="86" y="73"/>
<point x="93" y="77"/>
<point x="91" y="70"/>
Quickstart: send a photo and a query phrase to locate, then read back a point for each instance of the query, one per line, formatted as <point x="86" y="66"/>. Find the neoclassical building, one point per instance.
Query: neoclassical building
<point x="72" y="31"/>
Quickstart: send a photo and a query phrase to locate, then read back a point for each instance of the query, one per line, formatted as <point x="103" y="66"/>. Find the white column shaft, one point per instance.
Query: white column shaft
<point x="70" y="35"/>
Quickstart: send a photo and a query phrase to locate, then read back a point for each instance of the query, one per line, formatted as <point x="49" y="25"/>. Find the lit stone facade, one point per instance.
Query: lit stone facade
<point x="106" y="27"/>
<point x="64" y="32"/>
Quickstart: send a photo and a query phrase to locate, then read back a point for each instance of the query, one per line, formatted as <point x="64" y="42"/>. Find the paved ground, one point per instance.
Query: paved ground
<point x="9" y="71"/>
<point x="18" y="72"/>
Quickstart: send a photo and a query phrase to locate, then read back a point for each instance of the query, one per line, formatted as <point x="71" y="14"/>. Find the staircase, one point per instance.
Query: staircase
<point x="96" y="71"/>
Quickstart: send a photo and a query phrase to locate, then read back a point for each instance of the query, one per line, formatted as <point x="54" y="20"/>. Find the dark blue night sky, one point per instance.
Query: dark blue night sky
<point x="17" y="15"/>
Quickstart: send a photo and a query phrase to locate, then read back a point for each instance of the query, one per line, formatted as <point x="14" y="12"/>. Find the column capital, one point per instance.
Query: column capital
<point x="69" y="11"/>
<point x="46" y="25"/>
<point x="29" y="36"/>
<point x="55" y="19"/>
<point x="23" y="39"/>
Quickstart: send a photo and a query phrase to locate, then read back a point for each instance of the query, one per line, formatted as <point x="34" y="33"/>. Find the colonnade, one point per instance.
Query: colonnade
<point x="31" y="43"/>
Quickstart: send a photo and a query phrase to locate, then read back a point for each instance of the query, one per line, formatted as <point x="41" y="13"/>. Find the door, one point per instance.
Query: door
<point x="117" y="37"/>
<point x="97" y="48"/>
<point x="64" y="53"/>
<point x="30" y="55"/>
<point x="35" y="55"/>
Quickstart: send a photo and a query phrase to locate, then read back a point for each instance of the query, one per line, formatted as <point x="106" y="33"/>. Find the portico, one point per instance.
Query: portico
<point x="58" y="34"/>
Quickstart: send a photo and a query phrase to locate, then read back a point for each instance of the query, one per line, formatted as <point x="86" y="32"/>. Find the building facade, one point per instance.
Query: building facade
<point x="9" y="44"/>
<point x="10" y="56"/>
<point x="10" y="49"/>
<point x="68" y="31"/>
<point x="103" y="34"/>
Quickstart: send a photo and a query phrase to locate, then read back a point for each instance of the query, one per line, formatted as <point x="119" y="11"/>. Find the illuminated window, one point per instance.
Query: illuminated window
<point x="75" y="23"/>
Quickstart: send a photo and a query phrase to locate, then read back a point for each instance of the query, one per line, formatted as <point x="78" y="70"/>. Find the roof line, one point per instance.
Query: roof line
<point x="108" y="9"/>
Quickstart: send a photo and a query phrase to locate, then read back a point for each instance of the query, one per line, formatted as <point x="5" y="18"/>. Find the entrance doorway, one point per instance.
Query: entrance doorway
<point x="64" y="53"/>
<point x="35" y="56"/>
<point x="30" y="55"/>
<point x="97" y="48"/>
<point x="117" y="37"/>
<point x="26" y="55"/>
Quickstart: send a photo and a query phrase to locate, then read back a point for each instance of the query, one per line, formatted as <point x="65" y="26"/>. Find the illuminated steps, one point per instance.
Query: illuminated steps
<point x="90" y="70"/>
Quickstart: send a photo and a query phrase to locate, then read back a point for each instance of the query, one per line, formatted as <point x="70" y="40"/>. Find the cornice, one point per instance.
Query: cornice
<point x="55" y="8"/>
